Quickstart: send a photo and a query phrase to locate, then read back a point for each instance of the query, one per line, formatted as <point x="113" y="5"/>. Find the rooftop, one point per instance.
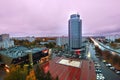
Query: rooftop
<point x="69" y="69"/>
<point x="19" y="51"/>
<point x="68" y="62"/>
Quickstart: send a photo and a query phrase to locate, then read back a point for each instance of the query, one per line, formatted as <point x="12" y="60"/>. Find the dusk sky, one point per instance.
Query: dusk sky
<point x="50" y="17"/>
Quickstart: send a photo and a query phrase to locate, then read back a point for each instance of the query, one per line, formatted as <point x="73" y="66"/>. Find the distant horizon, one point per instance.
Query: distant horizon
<point x="83" y="35"/>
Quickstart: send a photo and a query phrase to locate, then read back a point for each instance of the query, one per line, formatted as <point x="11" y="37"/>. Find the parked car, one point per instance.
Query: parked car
<point x="104" y="61"/>
<point x="100" y="76"/>
<point x="95" y="62"/>
<point x="112" y="68"/>
<point x="117" y="71"/>
<point x="98" y="70"/>
<point x="97" y="65"/>
<point x="108" y="65"/>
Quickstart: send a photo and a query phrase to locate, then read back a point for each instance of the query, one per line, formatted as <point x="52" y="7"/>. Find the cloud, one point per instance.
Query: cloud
<point x="50" y="17"/>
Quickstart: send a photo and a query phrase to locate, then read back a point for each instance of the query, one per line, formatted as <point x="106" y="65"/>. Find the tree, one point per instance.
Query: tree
<point x="117" y="40"/>
<point x="21" y="73"/>
<point x="31" y="75"/>
<point x="41" y="75"/>
<point x="16" y="73"/>
<point x="119" y="62"/>
<point x="90" y="40"/>
<point x="39" y="72"/>
<point x="115" y="59"/>
<point x="114" y="45"/>
<point x="48" y="76"/>
<point x="98" y="51"/>
<point x="0" y="58"/>
<point x="106" y="54"/>
<point x="57" y="78"/>
<point x="50" y="45"/>
<point x="25" y="43"/>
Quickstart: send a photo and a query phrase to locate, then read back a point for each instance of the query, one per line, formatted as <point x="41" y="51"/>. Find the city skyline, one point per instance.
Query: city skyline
<point x="38" y="18"/>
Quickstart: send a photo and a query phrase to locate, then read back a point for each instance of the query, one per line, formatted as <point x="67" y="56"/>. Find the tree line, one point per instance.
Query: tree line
<point x="24" y="73"/>
<point x="110" y="57"/>
<point x="35" y="43"/>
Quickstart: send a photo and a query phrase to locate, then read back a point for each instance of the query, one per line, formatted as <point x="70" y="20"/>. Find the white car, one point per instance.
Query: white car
<point x="117" y="72"/>
<point x="97" y="65"/>
<point x="104" y="61"/>
<point x="98" y="70"/>
<point x="96" y="62"/>
<point x="100" y="77"/>
<point x="109" y="65"/>
<point x="112" y="68"/>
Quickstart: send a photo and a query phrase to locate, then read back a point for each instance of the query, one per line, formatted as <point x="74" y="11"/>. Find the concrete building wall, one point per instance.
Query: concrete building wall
<point x="5" y="59"/>
<point x="112" y="37"/>
<point x="5" y="41"/>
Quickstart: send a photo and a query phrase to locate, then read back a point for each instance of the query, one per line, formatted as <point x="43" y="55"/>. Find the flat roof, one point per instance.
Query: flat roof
<point x="77" y="70"/>
<point x="19" y="51"/>
<point x="70" y="62"/>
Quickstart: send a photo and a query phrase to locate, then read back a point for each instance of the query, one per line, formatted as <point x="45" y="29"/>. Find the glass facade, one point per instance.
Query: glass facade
<point x="75" y="32"/>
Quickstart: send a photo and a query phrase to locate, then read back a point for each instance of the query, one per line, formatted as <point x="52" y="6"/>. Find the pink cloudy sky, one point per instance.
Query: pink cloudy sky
<point x="50" y="17"/>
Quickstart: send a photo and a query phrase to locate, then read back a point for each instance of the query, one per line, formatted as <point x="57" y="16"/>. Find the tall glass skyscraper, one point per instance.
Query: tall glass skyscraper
<point x="75" y="32"/>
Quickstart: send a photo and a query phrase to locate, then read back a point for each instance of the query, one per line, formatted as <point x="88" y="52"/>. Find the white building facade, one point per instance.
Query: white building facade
<point x="112" y="37"/>
<point x="5" y="41"/>
<point x="60" y="41"/>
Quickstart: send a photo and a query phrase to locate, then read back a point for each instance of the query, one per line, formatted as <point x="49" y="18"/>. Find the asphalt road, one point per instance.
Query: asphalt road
<point x="109" y="74"/>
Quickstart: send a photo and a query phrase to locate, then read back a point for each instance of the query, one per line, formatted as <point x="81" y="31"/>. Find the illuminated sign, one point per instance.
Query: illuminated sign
<point x="77" y="52"/>
<point x="45" y="51"/>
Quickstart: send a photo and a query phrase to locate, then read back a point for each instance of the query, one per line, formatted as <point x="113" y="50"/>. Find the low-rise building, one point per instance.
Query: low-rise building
<point x="70" y="69"/>
<point x="30" y="39"/>
<point x="60" y="41"/>
<point x="5" y="41"/>
<point x="20" y="55"/>
<point x="112" y="37"/>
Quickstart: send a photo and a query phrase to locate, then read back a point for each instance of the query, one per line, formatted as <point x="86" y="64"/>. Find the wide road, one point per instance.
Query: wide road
<point x="109" y="74"/>
<point x="105" y="46"/>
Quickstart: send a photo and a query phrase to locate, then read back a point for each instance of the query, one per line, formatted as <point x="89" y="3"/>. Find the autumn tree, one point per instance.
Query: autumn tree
<point x="22" y="73"/>
<point x="115" y="59"/>
<point x="39" y="72"/>
<point x="114" y="45"/>
<point x="106" y="54"/>
<point x="16" y="73"/>
<point x="98" y="51"/>
<point x="41" y="75"/>
<point x="50" y="45"/>
<point x="117" y="40"/>
<point x="31" y="75"/>
<point x="119" y="62"/>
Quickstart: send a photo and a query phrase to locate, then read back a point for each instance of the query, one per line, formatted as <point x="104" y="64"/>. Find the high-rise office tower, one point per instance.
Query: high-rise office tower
<point x="75" y="32"/>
